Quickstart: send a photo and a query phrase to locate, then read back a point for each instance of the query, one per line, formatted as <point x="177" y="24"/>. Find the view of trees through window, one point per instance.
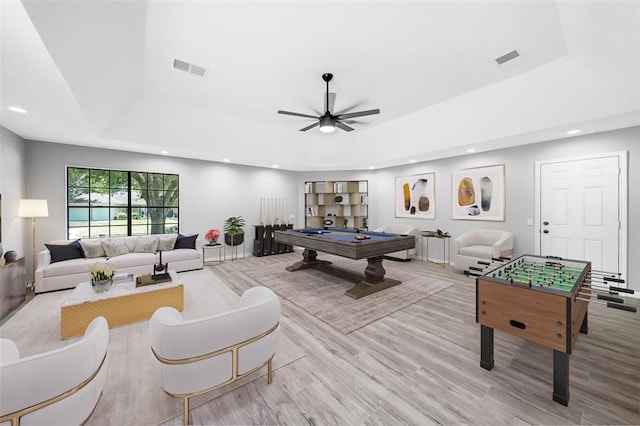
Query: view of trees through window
<point x="103" y="203"/>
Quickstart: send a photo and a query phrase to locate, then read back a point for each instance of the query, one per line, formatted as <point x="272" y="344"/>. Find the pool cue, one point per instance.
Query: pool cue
<point x="611" y="305"/>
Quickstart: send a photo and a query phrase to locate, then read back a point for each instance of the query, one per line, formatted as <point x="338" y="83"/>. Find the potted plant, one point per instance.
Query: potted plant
<point x="234" y="231"/>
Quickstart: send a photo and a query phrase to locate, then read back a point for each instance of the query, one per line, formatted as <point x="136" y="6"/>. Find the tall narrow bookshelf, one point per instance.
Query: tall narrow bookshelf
<point x="336" y="204"/>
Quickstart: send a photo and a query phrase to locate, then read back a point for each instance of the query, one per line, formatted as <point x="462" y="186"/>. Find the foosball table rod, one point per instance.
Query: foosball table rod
<point x="609" y="304"/>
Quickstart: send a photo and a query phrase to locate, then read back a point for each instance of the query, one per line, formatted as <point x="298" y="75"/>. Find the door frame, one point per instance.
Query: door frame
<point x="622" y="202"/>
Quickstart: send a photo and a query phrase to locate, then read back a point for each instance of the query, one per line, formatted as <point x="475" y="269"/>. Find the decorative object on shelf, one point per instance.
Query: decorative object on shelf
<point x="478" y="193"/>
<point x="234" y="230"/>
<point x="1" y="249"/>
<point x="338" y="198"/>
<point x="10" y="256"/>
<point x="328" y="222"/>
<point x="212" y="236"/>
<point x="415" y="196"/>
<point x="101" y="276"/>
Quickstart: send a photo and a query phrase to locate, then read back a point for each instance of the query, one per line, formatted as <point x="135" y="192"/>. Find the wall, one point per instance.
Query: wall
<point x="16" y="232"/>
<point x="209" y="192"/>
<point x="519" y="176"/>
<point x="213" y="191"/>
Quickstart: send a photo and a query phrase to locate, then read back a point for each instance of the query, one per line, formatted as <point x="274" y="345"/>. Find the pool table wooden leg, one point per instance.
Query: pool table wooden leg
<point x="374" y="280"/>
<point x="309" y="260"/>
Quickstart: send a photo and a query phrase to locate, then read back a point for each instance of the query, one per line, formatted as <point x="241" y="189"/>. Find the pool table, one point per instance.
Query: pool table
<point x="352" y="244"/>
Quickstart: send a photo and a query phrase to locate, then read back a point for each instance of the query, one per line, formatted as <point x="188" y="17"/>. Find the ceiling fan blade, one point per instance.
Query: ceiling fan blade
<point x="358" y="114"/>
<point x="332" y="102"/>
<point x="297" y="114"/>
<point x="344" y="126"/>
<point x="304" y="129"/>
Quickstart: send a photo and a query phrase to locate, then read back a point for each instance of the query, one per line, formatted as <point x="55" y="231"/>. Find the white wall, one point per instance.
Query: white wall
<point x="16" y="232"/>
<point x="210" y="192"/>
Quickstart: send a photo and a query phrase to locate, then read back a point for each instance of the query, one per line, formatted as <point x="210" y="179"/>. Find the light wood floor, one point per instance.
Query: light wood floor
<point x="420" y="365"/>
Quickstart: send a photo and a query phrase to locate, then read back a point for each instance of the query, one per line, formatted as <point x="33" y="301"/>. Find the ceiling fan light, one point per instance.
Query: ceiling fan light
<point x="327" y="125"/>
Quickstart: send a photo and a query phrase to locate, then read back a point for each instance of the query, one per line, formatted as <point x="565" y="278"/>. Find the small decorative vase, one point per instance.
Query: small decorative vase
<point x="212" y="242"/>
<point x="100" y="286"/>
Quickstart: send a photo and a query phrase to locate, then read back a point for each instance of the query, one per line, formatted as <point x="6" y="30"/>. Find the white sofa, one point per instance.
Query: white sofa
<point x="69" y="273"/>
<point x="58" y="387"/>
<point x="402" y="230"/>
<point x="192" y="357"/>
<point x="481" y="245"/>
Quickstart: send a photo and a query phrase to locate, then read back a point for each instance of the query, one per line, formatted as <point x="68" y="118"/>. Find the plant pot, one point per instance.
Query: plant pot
<point x="100" y="286"/>
<point x="233" y="239"/>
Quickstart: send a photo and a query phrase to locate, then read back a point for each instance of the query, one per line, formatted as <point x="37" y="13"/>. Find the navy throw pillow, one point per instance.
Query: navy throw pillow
<point x="60" y="252"/>
<point x="186" y="241"/>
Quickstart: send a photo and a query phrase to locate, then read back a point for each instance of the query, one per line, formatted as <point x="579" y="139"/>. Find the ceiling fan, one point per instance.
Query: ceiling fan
<point x="328" y="121"/>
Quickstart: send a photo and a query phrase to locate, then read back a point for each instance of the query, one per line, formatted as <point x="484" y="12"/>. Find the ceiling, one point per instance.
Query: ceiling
<point x="100" y="73"/>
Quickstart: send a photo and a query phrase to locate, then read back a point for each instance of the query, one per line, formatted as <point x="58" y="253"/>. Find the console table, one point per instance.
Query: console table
<point x="12" y="285"/>
<point x="446" y="256"/>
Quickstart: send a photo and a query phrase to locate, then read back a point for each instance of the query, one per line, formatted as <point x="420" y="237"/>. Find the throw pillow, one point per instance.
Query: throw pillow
<point x="146" y="244"/>
<point x="115" y="248"/>
<point x="92" y="248"/>
<point x="167" y="242"/>
<point x="60" y="252"/>
<point x="186" y="241"/>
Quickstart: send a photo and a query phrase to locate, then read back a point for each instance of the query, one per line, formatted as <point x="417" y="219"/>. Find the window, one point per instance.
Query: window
<point x="111" y="203"/>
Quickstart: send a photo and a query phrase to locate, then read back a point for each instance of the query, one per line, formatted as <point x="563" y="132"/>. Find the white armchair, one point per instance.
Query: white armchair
<point x="403" y="230"/>
<point x="193" y="357"/>
<point x="481" y="245"/>
<point x="61" y="386"/>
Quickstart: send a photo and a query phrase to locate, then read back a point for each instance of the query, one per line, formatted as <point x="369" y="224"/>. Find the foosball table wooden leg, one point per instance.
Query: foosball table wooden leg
<point x="486" y="347"/>
<point x="561" y="377"/>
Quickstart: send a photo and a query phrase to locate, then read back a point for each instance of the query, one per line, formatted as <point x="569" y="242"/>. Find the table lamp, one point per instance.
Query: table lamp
<point x="33" y="209"/>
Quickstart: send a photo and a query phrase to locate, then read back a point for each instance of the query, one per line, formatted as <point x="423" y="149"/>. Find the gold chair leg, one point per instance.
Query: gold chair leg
<point x="186" y="411"/>
<point x="269" y="372"/>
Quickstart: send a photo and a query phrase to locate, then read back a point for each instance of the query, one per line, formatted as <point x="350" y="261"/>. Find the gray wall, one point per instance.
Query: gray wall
<point x="16" y="231"/>
<point x="210" y="192"/>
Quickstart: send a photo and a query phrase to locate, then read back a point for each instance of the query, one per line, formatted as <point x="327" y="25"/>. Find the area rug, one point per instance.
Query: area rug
<point x="322" y="295"/>
<point x="132" y="393"/>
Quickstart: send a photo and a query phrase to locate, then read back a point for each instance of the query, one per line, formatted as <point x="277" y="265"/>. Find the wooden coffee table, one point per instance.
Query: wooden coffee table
<point x="123" y="303"/>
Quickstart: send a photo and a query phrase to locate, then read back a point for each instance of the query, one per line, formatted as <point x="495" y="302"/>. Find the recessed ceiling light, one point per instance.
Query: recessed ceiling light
<point x="275" y="166"/>
<point x="470" y="150"/>
<point x="226" y="160"/>
<point x="371" y="167"/>
<point x="17" y="109"/>
<point x="412" y="161"/>
<point x="164" y="152"/>
<point x="574" y="131"/>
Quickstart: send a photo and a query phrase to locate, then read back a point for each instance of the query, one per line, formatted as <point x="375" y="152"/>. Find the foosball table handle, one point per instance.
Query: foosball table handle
<point x="622" y="307"/>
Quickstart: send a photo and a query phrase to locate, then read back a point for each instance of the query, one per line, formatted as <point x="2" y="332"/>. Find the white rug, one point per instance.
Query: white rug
<point x="132" y="394"/>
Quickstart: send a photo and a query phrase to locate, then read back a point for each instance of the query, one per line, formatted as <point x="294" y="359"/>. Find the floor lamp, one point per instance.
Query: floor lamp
<point x="33" y="209"/>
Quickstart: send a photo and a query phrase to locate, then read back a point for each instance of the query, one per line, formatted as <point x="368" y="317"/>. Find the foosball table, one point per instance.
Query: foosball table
<point x="543" y="300"/>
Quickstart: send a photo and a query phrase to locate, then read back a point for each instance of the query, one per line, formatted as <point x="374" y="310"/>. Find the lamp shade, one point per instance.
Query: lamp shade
<point x="33" y="208"/>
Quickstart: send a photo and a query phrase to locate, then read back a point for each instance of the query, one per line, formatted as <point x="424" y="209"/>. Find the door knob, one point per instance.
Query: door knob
<point x="546" y="231"/>
<point x="545" y="223"/>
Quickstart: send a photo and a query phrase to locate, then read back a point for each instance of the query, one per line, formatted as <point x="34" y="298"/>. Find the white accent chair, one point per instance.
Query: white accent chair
<point x="60" y="387"/>
<point x="403" y="230"/>
<point x="481" y="245"/>
<point x="193" y="357"/>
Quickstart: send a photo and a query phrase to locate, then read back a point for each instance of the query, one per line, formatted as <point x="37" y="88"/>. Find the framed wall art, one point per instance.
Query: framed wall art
<point x="478" y="193"/>
<point x="415" y="196"/>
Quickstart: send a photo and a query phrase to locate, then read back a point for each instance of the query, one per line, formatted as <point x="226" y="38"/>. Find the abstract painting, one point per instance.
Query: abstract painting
<point x="478" y="193"/>
<point x="415" y="196"/>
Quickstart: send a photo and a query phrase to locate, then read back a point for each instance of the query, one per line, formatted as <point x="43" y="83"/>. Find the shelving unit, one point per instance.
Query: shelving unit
<point x="337" y="204"/>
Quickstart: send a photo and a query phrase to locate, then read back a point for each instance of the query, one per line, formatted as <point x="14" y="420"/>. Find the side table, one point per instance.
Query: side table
<point x="446" y="255"/>
<point x="206" y="247"/>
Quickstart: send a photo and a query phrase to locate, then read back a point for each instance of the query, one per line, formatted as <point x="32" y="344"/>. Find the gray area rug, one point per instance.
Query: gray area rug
<point x="132" y="393"/>
<point x="322" y="295"/>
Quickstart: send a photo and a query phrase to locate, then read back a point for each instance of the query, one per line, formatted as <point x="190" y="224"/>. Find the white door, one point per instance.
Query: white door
<point x="580" y="210"/>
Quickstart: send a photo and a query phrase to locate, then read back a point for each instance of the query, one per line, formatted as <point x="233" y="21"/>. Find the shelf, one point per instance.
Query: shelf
<point x="321" y="205"/>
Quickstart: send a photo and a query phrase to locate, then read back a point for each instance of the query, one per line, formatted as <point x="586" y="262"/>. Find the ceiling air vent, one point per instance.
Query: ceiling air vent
<point x="507" y="57"/>
<point x="190" y="68"/>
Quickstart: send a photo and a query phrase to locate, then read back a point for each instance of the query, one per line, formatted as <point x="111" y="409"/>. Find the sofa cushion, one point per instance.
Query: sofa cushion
<point x="133" y="259"/>
<point x="146" y="244"/>
<point x="92" y="248"/>
<point x="60" y="252"/>
<point x="167" y="242"/>
<point x="483" y="252"/>
<point x="186" y="241"/>
<point x="180" y="254"/>
<point x="115" y="247"/>
<point x="71" y="267"/>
